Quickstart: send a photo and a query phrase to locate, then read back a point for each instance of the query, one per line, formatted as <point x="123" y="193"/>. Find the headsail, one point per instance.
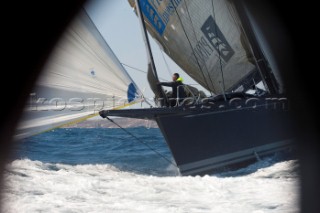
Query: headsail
<point x="205" y="38"/>
<point x="82" y="77"/>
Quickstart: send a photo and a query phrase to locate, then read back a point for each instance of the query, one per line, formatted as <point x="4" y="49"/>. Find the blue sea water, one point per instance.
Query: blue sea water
<point x="138" y="149"/>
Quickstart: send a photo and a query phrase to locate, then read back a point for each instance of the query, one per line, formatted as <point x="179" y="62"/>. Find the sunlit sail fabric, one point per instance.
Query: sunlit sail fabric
<point x="203" y="37"/>
<point x="82" y="77"/>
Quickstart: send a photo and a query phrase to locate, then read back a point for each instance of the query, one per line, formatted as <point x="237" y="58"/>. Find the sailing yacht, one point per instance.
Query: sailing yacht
<point x="216" y="42"/>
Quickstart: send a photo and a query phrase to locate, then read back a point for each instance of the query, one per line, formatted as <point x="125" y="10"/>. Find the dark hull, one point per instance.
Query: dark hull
<point x="210" y="137"/>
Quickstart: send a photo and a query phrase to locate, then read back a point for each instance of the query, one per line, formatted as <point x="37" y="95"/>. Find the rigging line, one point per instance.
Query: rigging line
<point x="195" y="35"/>
<point x="184" y="30"/>
<point x="137" y="69"/>
<point x="145" y="72"/>
<point x="220" y="61"/>
<point x="143" y="96"/>
<point x="146" y="101"/>
<point x="165" y="61"/>
<point x="139" y="140"/>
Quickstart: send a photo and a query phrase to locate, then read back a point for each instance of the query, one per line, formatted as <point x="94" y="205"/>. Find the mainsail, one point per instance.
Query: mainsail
<point x="82" y="77"/>
<point x="205" y="38"/>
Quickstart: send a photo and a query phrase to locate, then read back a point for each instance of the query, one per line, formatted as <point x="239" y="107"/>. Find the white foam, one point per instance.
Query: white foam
<point x="33" y="186"/>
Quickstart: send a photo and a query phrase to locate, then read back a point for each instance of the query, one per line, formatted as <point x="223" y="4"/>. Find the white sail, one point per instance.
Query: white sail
<point x="82" y="77"/>
<point x="203" y="37"/>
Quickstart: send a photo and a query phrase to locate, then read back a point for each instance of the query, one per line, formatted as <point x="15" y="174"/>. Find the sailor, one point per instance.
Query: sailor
<point x="178" y="92"/>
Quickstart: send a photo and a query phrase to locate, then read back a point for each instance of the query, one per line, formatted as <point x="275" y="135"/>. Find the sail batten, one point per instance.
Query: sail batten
<point x="81" y="77"/>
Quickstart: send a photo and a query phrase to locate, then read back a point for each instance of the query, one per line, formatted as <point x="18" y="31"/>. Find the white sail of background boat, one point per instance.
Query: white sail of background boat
<point x="82" y="77"/>
<point x="215" y="43"/>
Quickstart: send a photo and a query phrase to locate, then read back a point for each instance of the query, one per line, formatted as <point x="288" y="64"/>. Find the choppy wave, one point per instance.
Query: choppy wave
<point x="34" y="186"/>
<point x="103" y="170"/>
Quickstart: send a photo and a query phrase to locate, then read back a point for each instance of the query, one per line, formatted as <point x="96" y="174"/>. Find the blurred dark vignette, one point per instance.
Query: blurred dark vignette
<point x="31" y="30"/>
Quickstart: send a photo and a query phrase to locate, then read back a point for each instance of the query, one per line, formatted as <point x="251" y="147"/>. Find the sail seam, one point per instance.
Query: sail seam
<point x="184" y="30"/>
<point x="195" y="35"/>
<point x="219" y="51"/>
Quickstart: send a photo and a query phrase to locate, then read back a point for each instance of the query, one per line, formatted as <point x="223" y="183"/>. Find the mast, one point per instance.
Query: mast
<point x="267" y="76"/>
<point x="149" y="53"/>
